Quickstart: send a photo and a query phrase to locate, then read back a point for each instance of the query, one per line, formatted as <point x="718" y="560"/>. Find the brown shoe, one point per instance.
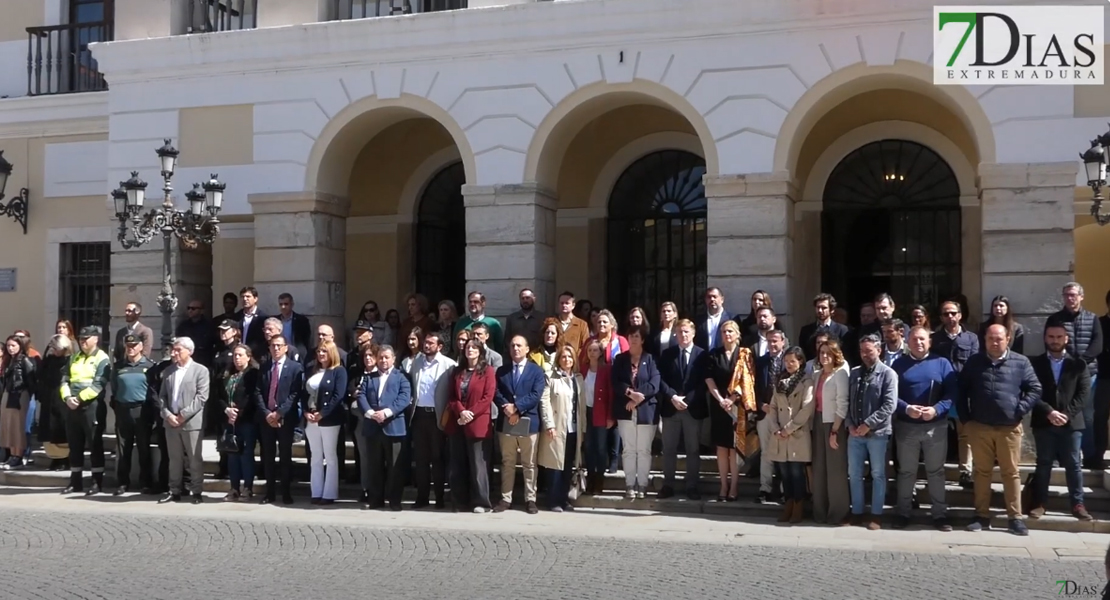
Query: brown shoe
<point x="502" y="506"/>
<point x="787" y="511"/>
<point x="797" y="514"/>
<point x="875" y="524"/>
<point x="1080" y="512"/>
<point x="531" y="508"/>
<point x="1038" y="512"/>
<point x="855" y="520"/>
<point x="846" y="522"/>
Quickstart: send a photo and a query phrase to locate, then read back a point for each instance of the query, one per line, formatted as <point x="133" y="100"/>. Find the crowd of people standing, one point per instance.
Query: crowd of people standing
<point x="438" y="399"/>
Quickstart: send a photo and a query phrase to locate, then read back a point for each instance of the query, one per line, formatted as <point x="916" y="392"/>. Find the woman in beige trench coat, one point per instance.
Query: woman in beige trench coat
<point x="790" y="419"/>
<point x="563" y="412"/>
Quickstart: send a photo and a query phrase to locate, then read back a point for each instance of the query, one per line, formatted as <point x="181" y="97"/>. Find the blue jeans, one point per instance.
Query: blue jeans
<point x="867" y="449"/>
<point x="793" y="476"/>
<point x="1057" y="443"/>
<point x="240" y="466"/>
<point x="596" y="445"/>
<point x="1088" y="446"/>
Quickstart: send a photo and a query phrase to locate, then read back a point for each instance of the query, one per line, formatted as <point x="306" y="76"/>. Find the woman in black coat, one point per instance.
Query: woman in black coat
<point x="236" y="401"/>
<point x="634" y="408"/>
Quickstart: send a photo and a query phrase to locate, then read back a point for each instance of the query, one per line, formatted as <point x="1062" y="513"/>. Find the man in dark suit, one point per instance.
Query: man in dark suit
<point x="250" y="319"/>
<point x="1057" y="419"/>
<point x="520" y="385"/>
<point x="294" y="326"/>
<point x="277" y="398"/>
<point x="682" y="407"/>
<point x="823" y="307"/>
<point x="383" y="398"/>
<point x="767" y="369"/>
<point x="708" y="334"/>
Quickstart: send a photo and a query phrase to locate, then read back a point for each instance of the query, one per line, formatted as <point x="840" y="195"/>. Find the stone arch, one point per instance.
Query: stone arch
<point x="337" y="146"/>
<point x="882" y="130"/>
<point x="630" y="153"/>
<point x="857" y="79"/>
<point x="418" y="182"/>
<point x="565" y="121"/>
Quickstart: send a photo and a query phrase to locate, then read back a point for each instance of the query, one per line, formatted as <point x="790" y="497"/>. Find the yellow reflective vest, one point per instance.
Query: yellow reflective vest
<point x="86" y="378"/>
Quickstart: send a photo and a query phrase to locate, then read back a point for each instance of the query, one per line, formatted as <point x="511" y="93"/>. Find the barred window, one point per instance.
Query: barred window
<point x="84" y="286"/>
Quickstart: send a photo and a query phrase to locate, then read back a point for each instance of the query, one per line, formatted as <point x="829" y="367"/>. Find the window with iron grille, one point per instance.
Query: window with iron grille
<point x="891" y="223"/>
<point x="441" y="238"/>
<point x="657" y="240"/>
<point x="85" y="285"/>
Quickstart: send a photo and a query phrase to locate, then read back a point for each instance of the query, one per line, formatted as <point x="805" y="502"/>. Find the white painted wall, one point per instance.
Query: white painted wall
<point x="742" y="65"/>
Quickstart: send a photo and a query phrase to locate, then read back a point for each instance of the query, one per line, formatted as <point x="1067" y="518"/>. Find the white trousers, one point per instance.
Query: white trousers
<point x="322" y="442"/>
<point x="636" y="455"/>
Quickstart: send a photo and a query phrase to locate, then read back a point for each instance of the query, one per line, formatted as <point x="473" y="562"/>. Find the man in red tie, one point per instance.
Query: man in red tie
<point x="278" y="398"/>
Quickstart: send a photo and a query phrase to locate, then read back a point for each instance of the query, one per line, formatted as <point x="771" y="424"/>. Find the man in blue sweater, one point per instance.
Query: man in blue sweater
<point x="927" y="386"/>
<point x="997" y="389"/>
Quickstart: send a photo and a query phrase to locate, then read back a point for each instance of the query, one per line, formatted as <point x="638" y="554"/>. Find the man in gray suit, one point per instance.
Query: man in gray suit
<point x="181" y="405"/>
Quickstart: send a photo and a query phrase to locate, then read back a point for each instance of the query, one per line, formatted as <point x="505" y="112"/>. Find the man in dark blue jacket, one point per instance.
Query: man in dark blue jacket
<point x="997" y="389"/>
<point x="1058" y="420"/>
<point x="277" y="400"/>
<point x="383" y="398"/>
<point x="682" y="407"/>
<point x="520" y="384"/>
<point x="926" y="388"/>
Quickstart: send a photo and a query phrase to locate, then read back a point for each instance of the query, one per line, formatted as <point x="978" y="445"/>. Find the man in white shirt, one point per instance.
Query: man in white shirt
<point x="431" y="381"/>
<point x="181" y="404"/>
<point x="765" y="321"/>
<point x="708" y="334"/>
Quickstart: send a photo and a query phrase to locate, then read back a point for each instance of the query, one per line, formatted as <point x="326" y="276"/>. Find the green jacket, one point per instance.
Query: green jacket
<point x="130" y="384"/>
<point x="86" y="377"/>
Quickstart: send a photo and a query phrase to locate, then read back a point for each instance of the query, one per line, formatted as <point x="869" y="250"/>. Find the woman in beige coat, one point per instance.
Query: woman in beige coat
<point x="563" y="412"/>
<point x="790" y="420"/>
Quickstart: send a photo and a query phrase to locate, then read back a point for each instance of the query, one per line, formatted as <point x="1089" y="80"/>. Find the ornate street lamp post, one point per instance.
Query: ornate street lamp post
<point x="1094" y="162"/>
<point x="193" y="226"/>
<point x="16" y="208"/>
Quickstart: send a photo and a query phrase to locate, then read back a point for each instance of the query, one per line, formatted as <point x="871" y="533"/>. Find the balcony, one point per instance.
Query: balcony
<point x="222" y="15"/>
<point x="59" y="60"/>
<point x="341" y="10"/>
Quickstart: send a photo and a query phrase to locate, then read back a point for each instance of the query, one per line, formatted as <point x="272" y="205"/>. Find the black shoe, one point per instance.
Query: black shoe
<point x="531" y="508"/>
<point x="94" y="490"/>
<point x="693" y="495"/>
<point x="314" y="501"/>
<point x="942" y="524"/>
<point x="665" y="493"/>
<point x="170" y="498"/>
<point x="266" y="500"/>
<point x="763" y="498"/>
<point x="73" y="489"/>
<point x="364" y="498"/>
<point x="197" y="498"/>
<point x="440" y="504"/>
<point x="148" y="491"/>
<point x="1017" y="527"/>
<point x="121" y="490"/>
<point x="286" y="499"/>
<point x="395" y="507"/>
<point x="965" y="481"/>
<point x="900" y="522"/>
<point x="421" y="504"/>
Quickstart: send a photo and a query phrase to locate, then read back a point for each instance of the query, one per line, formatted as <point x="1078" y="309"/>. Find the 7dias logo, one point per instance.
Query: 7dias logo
<point x="1018" y="45"/>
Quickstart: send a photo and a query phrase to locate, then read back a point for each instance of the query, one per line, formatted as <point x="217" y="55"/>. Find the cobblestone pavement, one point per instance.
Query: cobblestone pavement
<point x="107" y="553"/>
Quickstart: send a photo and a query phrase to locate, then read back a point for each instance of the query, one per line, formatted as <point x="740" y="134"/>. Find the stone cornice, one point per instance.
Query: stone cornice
<point x="542" y="27"/>
<point x="61" y="114"/>
<point x="298" y="202"/>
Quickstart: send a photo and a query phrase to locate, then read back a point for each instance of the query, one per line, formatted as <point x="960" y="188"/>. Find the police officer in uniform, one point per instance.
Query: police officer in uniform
<point x="84" y="383"/>
<point x="228" y="331"/>
<point x="130" y="392"/>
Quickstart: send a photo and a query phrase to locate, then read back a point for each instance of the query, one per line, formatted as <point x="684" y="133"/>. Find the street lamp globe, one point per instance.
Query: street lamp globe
<point x="1094" y="161"/>
<point x="167" y="154"/>
<point x="214" y="192"/>
<point x="136" y="191"/>
<point x="119" y="198"/>
<point x="5" y="170"/>
<point x="196" y="200"/>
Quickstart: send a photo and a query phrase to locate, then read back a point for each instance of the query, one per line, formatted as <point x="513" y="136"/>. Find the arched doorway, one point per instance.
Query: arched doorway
<point x="656" y="234"/>
<point x="891" y="223"/>
<point x="441" y="237"/>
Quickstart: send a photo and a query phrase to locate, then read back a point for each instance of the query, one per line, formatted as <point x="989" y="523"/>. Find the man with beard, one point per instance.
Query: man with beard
<point x="527" y="321"/>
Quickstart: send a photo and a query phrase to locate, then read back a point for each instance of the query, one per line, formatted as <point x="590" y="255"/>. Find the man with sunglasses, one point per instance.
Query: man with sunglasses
<point x="372" y="315"/>
<point x="958" y="345"/>
<point x="198" y="328"/>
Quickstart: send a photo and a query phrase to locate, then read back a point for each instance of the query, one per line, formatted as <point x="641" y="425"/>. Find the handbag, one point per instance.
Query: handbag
<point x="229" y="443"/>
<point x="577" y="484"/>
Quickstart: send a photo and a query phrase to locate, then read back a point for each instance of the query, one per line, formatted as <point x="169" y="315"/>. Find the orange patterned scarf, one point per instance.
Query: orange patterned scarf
<point x="742" y="390"/>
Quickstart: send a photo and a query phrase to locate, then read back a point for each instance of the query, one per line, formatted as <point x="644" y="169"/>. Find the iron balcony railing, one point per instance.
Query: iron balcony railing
<point x="359" y="9"/>
<point x="59" y="60"/>
<point x="223" y="15"/>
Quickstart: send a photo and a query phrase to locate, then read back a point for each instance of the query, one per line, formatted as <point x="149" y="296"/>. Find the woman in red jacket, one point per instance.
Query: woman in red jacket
<point x="469" y="428"/>
<point x="598" y="393"/>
